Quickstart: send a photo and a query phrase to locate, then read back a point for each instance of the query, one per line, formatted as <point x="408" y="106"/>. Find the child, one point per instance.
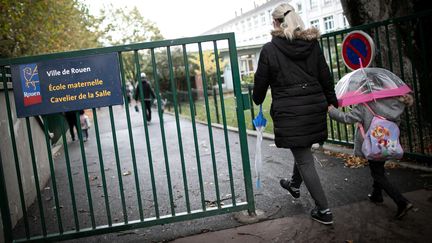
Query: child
<point x="391" y="109"/>
<point x="85" y="124"/>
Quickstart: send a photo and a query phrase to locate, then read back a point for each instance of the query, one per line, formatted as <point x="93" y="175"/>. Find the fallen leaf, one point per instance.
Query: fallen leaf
<point x="127" y="173"/>
<point x="391" y="165"/>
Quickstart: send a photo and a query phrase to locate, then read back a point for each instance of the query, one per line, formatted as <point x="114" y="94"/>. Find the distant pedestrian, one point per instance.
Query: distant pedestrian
<point x="72" y="122"/>
<point x="391" y="109"/>
<point x="149" y="95"/>
<point x="295" y="69"/>
<point x="85" y="124"/>
<point x="129" y="92"/>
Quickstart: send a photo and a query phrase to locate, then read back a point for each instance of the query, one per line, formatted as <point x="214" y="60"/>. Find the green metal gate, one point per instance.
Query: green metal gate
<point x="179" y="169"/>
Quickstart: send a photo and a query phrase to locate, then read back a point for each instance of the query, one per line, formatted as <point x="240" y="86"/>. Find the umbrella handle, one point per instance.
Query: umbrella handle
<point x="261" y="108"/>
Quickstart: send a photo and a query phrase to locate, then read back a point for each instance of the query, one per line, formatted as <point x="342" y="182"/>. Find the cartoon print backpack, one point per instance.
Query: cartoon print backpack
<point x="381" y="141"/>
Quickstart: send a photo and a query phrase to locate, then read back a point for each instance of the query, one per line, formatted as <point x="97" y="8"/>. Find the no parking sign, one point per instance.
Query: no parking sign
<point x="355" y="46"/>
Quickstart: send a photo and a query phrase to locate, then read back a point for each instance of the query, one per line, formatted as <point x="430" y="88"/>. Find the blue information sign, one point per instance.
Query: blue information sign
<point x="67" y="84"/>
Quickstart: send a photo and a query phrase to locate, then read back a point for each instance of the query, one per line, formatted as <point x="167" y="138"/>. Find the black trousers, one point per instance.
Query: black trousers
<point x="72" y="122"/>
<point x="147" y="104"/>
<point x="380" y="182"/>
<point x="304" y="170"/>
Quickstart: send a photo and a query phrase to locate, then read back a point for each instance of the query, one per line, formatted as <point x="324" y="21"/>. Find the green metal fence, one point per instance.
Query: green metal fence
<point x="183" y="171"/>
<point x="401" y="47"/>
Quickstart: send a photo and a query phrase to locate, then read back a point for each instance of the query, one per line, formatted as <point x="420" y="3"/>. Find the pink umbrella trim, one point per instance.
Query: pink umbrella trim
<point x="355" y="97"/>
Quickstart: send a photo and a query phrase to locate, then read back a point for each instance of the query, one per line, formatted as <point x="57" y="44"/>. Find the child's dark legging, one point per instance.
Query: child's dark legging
<point x="380" y="182"/>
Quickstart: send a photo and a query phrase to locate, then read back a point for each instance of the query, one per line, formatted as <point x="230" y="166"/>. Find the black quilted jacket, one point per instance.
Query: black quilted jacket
<point x="301" y="88"/>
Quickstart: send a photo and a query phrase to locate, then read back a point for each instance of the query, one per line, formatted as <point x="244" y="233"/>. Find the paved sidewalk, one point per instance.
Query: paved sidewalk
<point x="357" y="222"/>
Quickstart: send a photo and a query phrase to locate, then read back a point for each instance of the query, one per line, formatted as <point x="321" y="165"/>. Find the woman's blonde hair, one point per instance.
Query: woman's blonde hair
<point x="289" y="19"/>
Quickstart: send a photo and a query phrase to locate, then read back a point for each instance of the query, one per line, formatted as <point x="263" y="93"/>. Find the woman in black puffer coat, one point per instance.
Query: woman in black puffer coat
<point x="294" y="67"/>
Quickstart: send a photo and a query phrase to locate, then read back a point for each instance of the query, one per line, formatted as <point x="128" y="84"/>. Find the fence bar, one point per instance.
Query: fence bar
<point x="401" y="67"/>
<point x="86" y="175"/>
<point x="389" y="49"/>
<point x="193" y="113"/>
<point x="149" y="153"/>
<point x="378" y="47"/>
<point x="102" y="167"/>
<point x="340" y="76"/>
<point x="227" y="146"/>
<point x="69" y="173"/>
<point x="119" y="172"/>
<point x="241" y="126"/>
<point x="204" y="80"/>
<point x="131" y="140"/>
<point x="36" y="177"/>
<point x="250" y="87"/>
<point x="423" y="75"/>
<point x="4" y="202"/>
<point x="161" y="123"/>
<point x="53" y="177"/>
<point x="216" y="105"/>
<point x="176" y="112"/>
<point x="15" y="153"/>
<point x="344" y="109"/>
<point x="332" y="74"/>
<point x="416" y="92"/>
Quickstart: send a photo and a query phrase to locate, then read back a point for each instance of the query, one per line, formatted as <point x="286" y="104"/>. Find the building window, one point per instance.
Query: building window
<point x="263" y="19"/>
<point x="243" y="26"/>
<point x="299" y="7"/>
<point x="270" y="16"/>
<point x="328" y="23"/>
<point x="313" y="4"/>
<point x="247" y="64"/>
<point x="345" y="22"/>
<point x="255" y="19"/>
<point x="315" y="23"/>
<point x="327" y="2"/>
<point x="249" y="24"/>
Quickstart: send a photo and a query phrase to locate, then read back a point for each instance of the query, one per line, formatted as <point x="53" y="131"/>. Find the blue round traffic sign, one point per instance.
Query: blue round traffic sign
<point x="357" y="50"/>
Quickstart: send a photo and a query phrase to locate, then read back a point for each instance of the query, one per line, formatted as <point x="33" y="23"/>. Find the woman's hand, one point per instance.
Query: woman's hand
<point x="330" y="107"/>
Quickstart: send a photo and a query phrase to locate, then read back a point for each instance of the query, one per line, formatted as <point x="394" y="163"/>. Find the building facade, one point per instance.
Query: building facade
<point x="252" y="28"/>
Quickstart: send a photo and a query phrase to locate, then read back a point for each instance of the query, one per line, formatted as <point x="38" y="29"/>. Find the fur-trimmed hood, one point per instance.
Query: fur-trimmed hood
<point x="300" y="46"/>
<point x="307" y="34"/>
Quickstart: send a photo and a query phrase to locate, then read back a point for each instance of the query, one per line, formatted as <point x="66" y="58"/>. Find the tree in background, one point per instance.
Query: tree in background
<point x="124" y="26"/>
<point x="36" y="27"/>
<point x="210" y="67"/>
<point x="178" y="69"/>
<point x="359" y="12"/>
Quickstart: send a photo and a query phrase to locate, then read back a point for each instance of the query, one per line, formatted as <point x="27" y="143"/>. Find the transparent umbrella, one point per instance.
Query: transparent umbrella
<point x="259" y="123"/>
<point x="367" y="84"/>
